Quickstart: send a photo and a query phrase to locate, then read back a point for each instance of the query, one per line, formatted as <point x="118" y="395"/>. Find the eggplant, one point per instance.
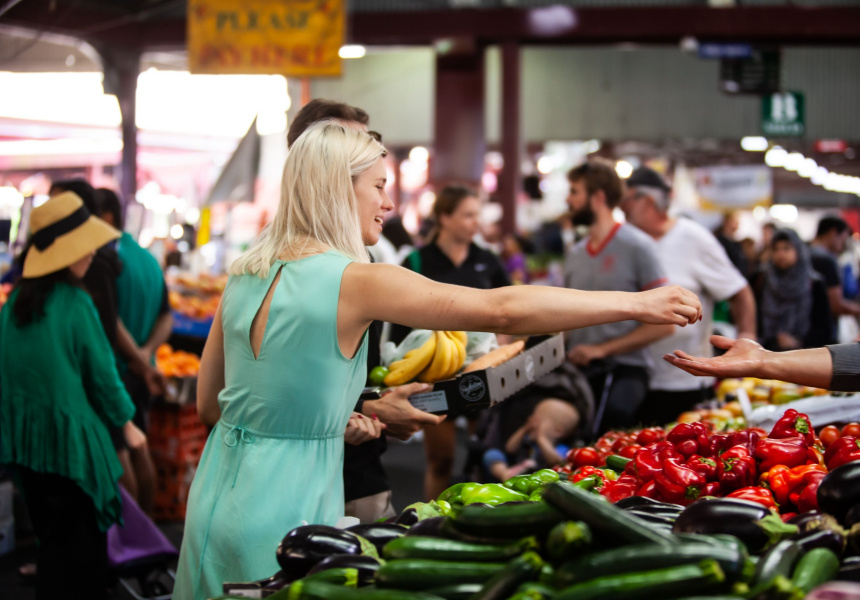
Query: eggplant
<point x="839" y="491"/>
<point x="640" y="501"/>
<point x="852" y="517"/>
<point x="378" y="534"/>
<point x="831" y="539"/>
<point x="850" y="569"/>
<point x="367" y="566"/>
<point x="653" y="518"/>
<point x="659" y="511"/>
<point x="801" y="519"/>
<point x="753" y="524"/>
<point x="431" y="527"/>
<point x="408" y="517"/>
<point x="305" y="546"/>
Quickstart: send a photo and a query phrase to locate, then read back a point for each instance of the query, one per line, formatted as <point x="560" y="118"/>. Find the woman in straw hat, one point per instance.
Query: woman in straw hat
<point x="60" y="391"/>
<point x="285" y="358"/>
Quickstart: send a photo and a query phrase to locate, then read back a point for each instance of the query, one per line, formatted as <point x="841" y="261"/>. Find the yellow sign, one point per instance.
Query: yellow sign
<point x="295" y="38"/>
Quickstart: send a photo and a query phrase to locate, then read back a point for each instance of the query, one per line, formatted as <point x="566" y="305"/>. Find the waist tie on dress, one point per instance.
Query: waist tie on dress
<point x="231" y="440"/>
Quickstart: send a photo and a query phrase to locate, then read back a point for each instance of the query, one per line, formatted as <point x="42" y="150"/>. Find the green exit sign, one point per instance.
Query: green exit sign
<point x="783" y="114"/>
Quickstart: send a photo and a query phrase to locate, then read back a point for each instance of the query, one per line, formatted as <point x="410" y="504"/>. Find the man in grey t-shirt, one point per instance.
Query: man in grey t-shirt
<point x="619" y="258"/>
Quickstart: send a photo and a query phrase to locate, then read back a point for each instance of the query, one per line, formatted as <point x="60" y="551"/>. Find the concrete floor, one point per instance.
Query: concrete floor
<point x="404" y="463"/>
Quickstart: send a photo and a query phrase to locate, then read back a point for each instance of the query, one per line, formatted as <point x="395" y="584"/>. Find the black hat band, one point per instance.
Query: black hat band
<point x="46" y="236"/>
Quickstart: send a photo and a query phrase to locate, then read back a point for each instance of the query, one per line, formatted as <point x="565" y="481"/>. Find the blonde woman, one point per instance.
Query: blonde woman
<point x="285" y="358"/>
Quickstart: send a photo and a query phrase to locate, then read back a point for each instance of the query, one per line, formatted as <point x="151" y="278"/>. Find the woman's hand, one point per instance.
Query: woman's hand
<point x="671" y="304"/>
<point x="743" y="358"/>
<point x="134" y="437"/>
<point x="360" y="429"/>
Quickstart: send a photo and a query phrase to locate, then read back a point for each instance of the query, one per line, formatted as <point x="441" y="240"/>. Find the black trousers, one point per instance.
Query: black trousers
<point x="72" y="557"/>
<point x="619" y="391"/>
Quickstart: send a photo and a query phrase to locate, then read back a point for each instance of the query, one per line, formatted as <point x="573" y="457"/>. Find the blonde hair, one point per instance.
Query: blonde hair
<point x="317" y="198"/>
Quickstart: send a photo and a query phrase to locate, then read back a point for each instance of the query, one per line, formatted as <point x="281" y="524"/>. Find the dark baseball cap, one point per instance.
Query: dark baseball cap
<point x="643" y="176"/>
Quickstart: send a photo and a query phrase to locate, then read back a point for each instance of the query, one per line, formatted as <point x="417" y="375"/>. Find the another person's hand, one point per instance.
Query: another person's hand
<point x="670" y="304"/>
<point x="360" y="429"/>
<point x="583" y="354"/>
<point x="155" y="381"/>
<point x="134" y="437"/>
<point x="743" y="358"/>
<point x="394" y="409"/>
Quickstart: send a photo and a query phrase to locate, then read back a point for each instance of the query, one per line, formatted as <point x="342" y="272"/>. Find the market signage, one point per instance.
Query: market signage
<point x="734" y="187"/>
<point x="295" y="38"/>
<point x="783" y="114"/>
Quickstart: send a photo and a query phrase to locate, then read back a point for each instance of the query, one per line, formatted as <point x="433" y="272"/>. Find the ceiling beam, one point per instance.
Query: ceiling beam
<point x="558" y="25"/>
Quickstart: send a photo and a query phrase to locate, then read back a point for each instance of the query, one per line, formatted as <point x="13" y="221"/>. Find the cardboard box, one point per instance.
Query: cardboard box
<point x="478" y="390"/>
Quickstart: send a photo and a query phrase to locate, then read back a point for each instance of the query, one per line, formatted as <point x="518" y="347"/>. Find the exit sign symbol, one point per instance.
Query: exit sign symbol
<point x="783" y="114"/>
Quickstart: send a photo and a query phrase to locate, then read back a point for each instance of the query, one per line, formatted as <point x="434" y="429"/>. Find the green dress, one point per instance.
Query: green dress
<point x="275" y="458"/>
<point x="60" y="392"/>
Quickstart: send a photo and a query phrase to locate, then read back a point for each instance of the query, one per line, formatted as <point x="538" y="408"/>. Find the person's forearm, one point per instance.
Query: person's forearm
<point x="128" y="348"/>
<point x="160" y="333"/>
<point x="638" y="338"/>
<point x="848" y="307"/>
<point x="812" y="367"/>
<point x="742" y="306"/>
<point x="548" y="451"/>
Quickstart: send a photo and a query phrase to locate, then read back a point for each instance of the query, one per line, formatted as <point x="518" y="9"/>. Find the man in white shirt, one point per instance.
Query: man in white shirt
<point x="693" y="258"/>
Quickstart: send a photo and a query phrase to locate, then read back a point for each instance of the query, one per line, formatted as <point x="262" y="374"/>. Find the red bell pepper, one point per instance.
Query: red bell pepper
<point x="806" y="497"/>
<point x="624" y="487"/>
<point x="843" y="450"/>
<point x="746" y="437"/>
<point x="649" y="490"/>
<point x="706" y="467"/>
<point x="590" y="471"/>
<point x="690" y="438"/>
<point x="736" y="469"/>
<point x="679" y="483"/>
<point x="788" y="484"/>
<point x="755" y="494"/>
<point x="791" y="452"/>
<point x="793" y="424"/>
<point x="712" y="488"/>
<point x="648" y="462"/>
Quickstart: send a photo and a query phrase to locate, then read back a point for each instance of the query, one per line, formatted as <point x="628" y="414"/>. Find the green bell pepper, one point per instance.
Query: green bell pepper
<point x="492" y="494"/>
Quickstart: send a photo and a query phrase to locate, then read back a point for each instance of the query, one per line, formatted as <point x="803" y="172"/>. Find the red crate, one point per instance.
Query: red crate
<point x="171" y="493"/>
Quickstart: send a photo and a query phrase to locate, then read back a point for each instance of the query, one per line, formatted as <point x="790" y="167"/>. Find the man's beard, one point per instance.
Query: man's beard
<point x="584" y="216"/>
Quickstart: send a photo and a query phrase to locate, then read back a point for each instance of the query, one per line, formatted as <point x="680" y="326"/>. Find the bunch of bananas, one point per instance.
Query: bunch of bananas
<point x="440" y="357"/>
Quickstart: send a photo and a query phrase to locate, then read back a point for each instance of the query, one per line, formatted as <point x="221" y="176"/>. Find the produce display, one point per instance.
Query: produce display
<point x="193" y="306"/>
<point x="766" y="391"/>
<point x="678" y="513"/>
<point x="176" y="363"/>
<point x="196" y="297"/>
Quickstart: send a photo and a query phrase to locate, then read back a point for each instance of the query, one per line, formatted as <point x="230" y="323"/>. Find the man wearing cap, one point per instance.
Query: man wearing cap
<point x="694" y="259"/>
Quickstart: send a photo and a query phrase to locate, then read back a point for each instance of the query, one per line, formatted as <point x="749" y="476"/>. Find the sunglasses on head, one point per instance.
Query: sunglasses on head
<point x="375" y="135"/>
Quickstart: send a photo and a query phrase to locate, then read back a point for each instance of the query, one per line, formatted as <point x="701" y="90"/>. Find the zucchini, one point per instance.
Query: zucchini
<point x="814" y="568"/>
<point x="536" y="591"/>
<point x="780" y="559"/>
<point x="421" y="574"/>
<point x="662" y="583"/>
<point x="501" y="585"/>
<point x="567" y="539"/>
<point x="460" y="591"/>
<point x="647" y="557"/>
<point x="653" y="518"/>
<point x="617" y="463"/>
<point x="453" y="550"/>
<point x="308" y="589"/>
<point x="638" y="501"/>
<point x="345" y="576"/>
<point x="509" y="521"/>
<point x="603" y="517"/>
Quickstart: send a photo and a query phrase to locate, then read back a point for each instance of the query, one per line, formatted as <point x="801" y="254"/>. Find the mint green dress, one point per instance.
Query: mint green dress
<point x="275" y="458"/>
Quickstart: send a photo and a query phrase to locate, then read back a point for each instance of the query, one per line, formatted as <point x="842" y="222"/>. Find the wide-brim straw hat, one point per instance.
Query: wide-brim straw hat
<point x="62" y="232"/>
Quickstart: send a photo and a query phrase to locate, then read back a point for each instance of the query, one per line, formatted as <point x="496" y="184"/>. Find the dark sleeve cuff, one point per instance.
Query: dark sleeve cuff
<point x="846" y="367"/>
<point x="359" y="405"/>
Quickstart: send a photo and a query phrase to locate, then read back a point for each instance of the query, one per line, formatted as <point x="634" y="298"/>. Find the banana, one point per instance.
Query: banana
<point x="416" y="360"/>
<point x="441" y="360"/>
<point x="461" y="337"/>
<point x="461" y="351"/>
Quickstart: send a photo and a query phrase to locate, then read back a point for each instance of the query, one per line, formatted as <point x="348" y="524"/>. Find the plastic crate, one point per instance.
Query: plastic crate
<point x="171" y="493"/>
<point x="185" y="325"/>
